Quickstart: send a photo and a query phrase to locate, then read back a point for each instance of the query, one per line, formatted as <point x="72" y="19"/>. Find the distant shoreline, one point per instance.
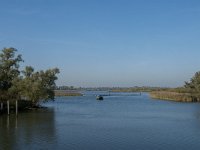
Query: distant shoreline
<point x="60" y="93"/>
<point x="155" y="93"/>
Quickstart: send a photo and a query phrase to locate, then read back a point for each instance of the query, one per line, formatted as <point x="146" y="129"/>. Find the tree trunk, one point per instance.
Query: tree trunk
<point x="1" y="106"/>
<point x="8" y="106"/>
<point x="16" y="107"/>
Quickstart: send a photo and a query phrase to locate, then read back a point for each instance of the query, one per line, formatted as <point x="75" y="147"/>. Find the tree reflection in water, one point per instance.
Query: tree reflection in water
<point x="35" y="128"/>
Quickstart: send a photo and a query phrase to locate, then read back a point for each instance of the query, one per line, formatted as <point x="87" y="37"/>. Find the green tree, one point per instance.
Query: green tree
<point x="193" y="86"/>
<point x="37" y="86"/>
<point x="9" y="72"/>
<point x="27" y="84"/>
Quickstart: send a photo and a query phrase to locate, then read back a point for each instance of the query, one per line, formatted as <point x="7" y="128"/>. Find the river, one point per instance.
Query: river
<point x="119" y="122"/>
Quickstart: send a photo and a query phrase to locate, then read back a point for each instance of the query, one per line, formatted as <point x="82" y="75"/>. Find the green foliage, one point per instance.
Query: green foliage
<point x="193" y="85"/>
<point x="27" y="84"/>
<point x="9" y="72"/>
<point x="40" y="85"/>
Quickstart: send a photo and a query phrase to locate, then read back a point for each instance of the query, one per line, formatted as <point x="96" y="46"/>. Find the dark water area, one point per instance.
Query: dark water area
<point x="119" y="122"/>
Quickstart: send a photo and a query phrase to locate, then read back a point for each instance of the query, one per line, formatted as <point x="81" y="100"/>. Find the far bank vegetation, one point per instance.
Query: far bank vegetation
<point x="67" y="91"/>
<point x="190" y="92"/>
<point x="60" y="93"/>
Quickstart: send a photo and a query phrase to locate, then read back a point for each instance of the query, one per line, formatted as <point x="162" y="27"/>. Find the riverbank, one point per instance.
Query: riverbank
<point x="174" y="96"/>
<point x="22" y="105"/>
<point x="28" y="105"/>
<point x="59" y="93"/>
<point x="179" y="94"/>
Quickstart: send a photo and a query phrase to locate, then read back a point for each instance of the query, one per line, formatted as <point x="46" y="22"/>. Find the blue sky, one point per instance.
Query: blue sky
<point x="106" y="42"/>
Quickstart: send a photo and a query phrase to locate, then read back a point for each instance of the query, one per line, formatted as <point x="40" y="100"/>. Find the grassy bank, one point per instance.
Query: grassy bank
<point x="67" y="93"/>
<point x="174" y="96"/>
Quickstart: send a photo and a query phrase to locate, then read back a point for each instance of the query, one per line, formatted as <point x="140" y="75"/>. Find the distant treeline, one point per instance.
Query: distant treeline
<point x="65" y="88"/>
<point x="112" y="89"/>
<point x="138" y="89"/>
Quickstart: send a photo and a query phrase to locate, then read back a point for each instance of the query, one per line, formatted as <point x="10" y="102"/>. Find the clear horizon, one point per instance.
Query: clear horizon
<point x="114" y="43"/>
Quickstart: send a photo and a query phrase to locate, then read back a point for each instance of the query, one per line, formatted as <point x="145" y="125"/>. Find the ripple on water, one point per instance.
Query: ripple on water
<point x="117" y="123"/>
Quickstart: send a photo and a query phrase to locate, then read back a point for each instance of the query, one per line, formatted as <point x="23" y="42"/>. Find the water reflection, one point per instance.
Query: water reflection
<point x="82" y="123"/>
<point x="32" y="128"/>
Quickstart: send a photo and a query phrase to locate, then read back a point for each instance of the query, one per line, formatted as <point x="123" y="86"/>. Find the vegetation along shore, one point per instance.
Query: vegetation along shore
<point x="173" y="96"/>
<point x="190" y="92"/>
<point x="67" y="93"/>
<point x="24" y="87"/>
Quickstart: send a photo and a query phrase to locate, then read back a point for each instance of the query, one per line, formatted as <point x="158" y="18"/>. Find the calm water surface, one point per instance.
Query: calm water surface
<point x="119" y="122"/>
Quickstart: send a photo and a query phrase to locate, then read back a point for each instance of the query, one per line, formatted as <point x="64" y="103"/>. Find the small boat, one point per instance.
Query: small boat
<point x="99" y="97"/>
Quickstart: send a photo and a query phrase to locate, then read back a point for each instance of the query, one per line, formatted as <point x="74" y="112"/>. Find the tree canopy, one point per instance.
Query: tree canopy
<point x="27" y="84"/>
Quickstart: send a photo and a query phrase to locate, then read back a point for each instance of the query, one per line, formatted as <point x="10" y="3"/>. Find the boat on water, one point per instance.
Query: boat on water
<point x="99" y="97"/>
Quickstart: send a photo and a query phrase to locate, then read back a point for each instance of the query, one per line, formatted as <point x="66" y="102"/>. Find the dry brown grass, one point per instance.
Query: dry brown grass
<point x="174" y="96"/>
<point x="67" y="93"/>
